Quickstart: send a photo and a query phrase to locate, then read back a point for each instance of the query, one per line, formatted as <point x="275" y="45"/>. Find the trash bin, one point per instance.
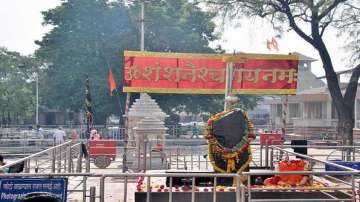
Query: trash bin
<point x="40" y="197"/>
<point x="300" y="150"/>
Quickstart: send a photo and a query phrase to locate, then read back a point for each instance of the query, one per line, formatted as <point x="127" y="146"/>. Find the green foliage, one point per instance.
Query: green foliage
<point x="89" y="37"/>
<point x="17" y="87"/>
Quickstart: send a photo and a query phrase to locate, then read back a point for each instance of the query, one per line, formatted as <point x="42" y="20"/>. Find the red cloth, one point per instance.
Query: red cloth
<point x="293" y="165"/>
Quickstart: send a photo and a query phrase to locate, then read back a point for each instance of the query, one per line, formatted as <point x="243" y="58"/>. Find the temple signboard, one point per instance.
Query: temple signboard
<point x="185" y="73"/>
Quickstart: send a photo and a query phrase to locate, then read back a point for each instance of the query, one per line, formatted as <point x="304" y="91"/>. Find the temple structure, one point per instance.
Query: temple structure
<point x="143" y="107"/>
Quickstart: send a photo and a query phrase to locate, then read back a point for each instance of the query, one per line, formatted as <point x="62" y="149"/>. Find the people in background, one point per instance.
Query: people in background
<point x="94" y="135"/>
<point x="59" y="136"/>
<point x="195" y="132"/>
<point x="40" y="131"/>
<point x="74" y="135"/>
<point x="2" y="163"/>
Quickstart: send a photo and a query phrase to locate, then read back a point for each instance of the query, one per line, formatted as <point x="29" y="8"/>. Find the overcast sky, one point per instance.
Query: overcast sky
<point x="20" y="23"/>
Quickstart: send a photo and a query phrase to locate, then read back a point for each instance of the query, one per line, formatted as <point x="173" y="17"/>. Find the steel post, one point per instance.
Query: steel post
<point x="237" y="181"/>
<point x="199" y="162"/>
<point x="70" y="162"/>
<point x="125" y="188"/>
<point x="150" y="156"/>
<point x="87" y="165"/>
<point x="266" y="155"/>
<point x="92" y="194"/>
<point x="102" y="189"/>
<point x="144" y="155"/>
<point x="53" y="156"/>
<point x="148" y="189"/>
<point x="261" y="156"/>
<point x="272" y="158"/>
<point x="242" y="187"/>
<point x="214" y="189"/>
<point x="249" y="188"/>
<point x="84" y="188"/>
<point x="193" y="190"/>
<point x="170" y="189"/>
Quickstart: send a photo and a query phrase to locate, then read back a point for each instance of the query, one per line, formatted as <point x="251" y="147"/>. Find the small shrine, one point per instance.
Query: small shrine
<point x="150" y="131"/>
<point x="143" y="107"/>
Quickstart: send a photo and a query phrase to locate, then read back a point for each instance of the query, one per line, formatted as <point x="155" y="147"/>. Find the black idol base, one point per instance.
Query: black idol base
<point x="209" y="181"/>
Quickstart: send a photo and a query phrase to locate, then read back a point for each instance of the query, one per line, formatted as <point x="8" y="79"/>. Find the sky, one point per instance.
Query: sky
<point x="21" y="25"/>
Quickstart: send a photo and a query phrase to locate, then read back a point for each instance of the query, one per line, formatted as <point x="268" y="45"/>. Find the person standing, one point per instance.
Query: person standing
<point x="2" y="163"/>
<point x="195" y="132"/>
<point x="59" y="136"/>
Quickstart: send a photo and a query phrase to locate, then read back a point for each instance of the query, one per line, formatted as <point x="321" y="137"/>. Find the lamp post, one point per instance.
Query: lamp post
<point x="36" y="76"/>
<point x="37" y="98"/>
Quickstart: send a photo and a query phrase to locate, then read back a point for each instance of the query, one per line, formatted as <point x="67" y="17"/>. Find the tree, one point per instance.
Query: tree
<point x="87" y="39"/>
<point x="89" y="36"/>
<point x="309" y="19"/>
<point x="349" y="25"/>
<point x="17" y="94"/>
<point x="179" y="26"/>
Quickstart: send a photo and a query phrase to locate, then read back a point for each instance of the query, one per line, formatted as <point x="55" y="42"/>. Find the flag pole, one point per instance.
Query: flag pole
<point x="126" y="131"/>
<point x="88" y="108"/>
<point x="128" y="95"/>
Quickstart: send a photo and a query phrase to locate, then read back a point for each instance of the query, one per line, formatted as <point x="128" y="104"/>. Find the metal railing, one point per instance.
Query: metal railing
<point x="192" y="154"/>
<point x="58" y="158"/>
<point x="59" y="161"/>
<point x="243" y="192"/>
<point x="63" y="158"/>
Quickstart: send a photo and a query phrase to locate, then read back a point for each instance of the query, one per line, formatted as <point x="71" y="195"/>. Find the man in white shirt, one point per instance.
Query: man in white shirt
<point x="59" y="136"/>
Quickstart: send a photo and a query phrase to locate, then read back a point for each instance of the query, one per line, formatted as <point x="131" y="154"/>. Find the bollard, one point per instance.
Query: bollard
<point x="92" y="194"/>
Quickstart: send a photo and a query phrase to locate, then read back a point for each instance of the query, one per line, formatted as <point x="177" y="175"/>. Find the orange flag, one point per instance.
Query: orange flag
<point x="112" y="83"/>
<point x="272" y="44"/>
